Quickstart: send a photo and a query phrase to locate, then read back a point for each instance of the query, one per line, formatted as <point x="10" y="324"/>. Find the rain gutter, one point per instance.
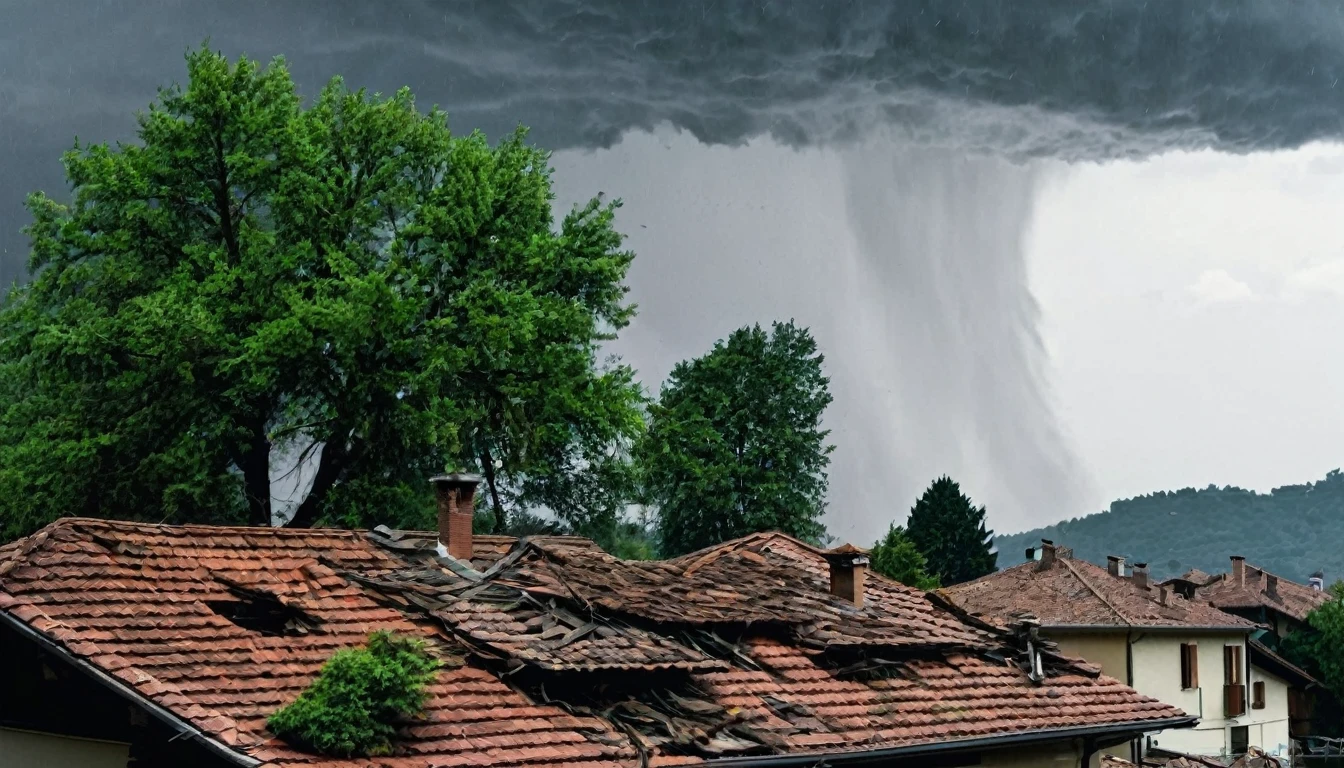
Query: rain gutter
<point x="1092" y="733"/>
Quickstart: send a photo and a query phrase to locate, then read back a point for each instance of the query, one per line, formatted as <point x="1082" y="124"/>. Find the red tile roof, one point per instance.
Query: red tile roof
<point x="1291" y="599"/>
<point x="1070" y="592"/>
<point x="558" y="654"/>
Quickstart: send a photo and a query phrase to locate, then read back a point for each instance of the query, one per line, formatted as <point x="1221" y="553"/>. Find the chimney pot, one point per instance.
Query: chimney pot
<point x="849" y="571"/>
<point x="1115" y="565"/>
<point x="455" y="496"/>
<point x="1239" y="570"/>
<point x="1141" y="575"/>
<point x="1047" y="554"/>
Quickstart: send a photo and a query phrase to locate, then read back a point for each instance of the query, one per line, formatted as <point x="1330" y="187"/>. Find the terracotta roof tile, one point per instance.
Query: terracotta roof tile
<point x="556" y="653"/>
<point x="1290" y="598"/>
<point x="1070" y="592"/>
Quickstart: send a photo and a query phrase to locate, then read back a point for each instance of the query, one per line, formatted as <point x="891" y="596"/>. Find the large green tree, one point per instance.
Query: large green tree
<point x="346" y="282"/>
<point x="1319" y="649"/>
<point x="897" y="558"/>
<point x="949" y="530"/>
<point x="735" y="443"/>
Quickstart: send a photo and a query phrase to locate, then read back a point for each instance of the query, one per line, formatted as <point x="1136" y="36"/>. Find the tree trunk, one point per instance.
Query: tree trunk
<point x="488" y="467"/>
<point x="335" y="459"/>
<point x="254" y="461"/>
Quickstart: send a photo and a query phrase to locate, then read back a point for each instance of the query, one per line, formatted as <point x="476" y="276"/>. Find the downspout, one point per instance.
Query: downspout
<point x="1135" y="746"/>
<point x="1089" y="749"/>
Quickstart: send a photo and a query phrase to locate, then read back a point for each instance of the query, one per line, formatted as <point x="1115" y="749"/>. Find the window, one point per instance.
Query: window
<point x="1232" y="664"/>
<point x="1189" y="666"/>
<point x="1258" y="694"/>
<point x="1234" y="691"/>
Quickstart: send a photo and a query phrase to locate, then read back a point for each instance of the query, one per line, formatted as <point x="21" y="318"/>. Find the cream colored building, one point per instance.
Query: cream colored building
<point x="1182" y="652"/>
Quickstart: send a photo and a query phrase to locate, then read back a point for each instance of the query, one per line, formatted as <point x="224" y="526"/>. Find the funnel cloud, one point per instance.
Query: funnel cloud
<point x="925" y="126"/>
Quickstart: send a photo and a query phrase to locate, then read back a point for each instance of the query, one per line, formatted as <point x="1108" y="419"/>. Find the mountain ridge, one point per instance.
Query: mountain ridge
<point x="1292" y="531"/>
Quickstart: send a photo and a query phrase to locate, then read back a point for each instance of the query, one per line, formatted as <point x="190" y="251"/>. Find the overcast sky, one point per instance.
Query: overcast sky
<point x="896" y="176"/>
<point x="1190" y="306"/>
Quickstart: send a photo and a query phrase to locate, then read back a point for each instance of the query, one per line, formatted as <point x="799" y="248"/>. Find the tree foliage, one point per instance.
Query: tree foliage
<point x="735" y="443"/>
<point x="1292" y="531"/>
<point x="949" y="530"/>
<point x="1318" y="648"/>
<point x="351" y="708"/>
<point x="897" y="558"/>
<point x="347" y="281"/>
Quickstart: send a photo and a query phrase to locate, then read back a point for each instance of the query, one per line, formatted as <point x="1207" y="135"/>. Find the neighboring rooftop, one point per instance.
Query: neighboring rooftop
<point x="1247" y="587"/>
<point x="556" y="653"/>
<point x="1061" y="591"/>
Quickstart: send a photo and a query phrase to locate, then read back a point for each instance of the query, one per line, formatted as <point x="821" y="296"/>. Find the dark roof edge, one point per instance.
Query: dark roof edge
<point x="1158" y="628"/>
<point x="983" y="742"/>
<point x="166" y="716"/>
<point x="1261" y="653"/>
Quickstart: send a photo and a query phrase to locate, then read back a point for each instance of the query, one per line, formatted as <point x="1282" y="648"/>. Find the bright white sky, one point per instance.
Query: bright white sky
<point x="1191" y="307"/>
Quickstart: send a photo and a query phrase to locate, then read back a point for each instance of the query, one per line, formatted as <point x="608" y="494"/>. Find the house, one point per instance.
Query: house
<point x="1280" y="606"/>
<point x="1256" y="594"/>
<point x="1180" y="651"/>
<point x="170" y="646"/>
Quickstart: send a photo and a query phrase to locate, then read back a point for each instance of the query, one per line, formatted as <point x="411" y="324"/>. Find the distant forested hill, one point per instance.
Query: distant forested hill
<point x="1292" y="531"/>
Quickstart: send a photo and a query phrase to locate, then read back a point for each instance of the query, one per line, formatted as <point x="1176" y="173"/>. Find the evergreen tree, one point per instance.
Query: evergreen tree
<point x="897" y="558"/>
<point x="950" y="532"/>
<point x="735" y="444"/>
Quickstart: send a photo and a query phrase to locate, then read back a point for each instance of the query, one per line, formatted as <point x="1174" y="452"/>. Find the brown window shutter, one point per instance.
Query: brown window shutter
<point x="1234" y="700"/>
<point x="1189" y="666"/>
<point x="1258" y="694"/>
<point x="1228" y="666"/>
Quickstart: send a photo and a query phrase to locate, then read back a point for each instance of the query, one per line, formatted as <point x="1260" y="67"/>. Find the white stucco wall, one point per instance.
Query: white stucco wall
<point x="1157" y="673"/>
<point x="27" y="749"/>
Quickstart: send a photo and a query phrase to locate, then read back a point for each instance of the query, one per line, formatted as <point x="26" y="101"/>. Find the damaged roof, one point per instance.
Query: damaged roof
<point x="1288" y="597"/>
<point x="556" y="653"/>
<point x="1067" y="592"/>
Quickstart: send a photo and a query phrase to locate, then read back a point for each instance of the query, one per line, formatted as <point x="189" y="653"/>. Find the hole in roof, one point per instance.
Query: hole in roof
<point x="264" y="613"/>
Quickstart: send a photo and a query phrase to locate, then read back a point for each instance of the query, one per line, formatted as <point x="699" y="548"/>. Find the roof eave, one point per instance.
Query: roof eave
<point x="1163" y="629"/>
<point x="184" y="728"/>
<point x="1123" y="730"/>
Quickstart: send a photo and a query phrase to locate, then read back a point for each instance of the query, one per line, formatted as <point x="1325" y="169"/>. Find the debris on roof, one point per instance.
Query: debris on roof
<point x="556" y="653"/>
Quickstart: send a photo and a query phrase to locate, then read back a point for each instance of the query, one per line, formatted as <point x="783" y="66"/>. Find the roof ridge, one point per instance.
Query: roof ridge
<point x="1091" y="588"/>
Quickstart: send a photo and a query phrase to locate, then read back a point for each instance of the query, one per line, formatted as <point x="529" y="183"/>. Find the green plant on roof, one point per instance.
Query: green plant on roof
<point x="351" y="708"/>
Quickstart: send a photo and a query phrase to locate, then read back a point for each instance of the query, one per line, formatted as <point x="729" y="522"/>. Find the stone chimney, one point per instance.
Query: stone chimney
<point x="1047" y="554"/>
<point x="1141" y="575"/>
<point x="456" y="498"/>
<point x="1239" y="570"/>
<point x="1161" y="595"/>
<point x="1271" y="585"/>
<point x="1115" y="564"/>
<point x="849" y="570"/>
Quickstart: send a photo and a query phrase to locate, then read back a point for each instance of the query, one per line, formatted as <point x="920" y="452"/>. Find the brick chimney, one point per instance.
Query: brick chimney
<point x="1239" y="570"/>
<point x="849" y="570"/>
<point x="1271" y="585"/>
<point x="1141" y="575"/>
<point x="456" y="498"/>
<point x="1115" y="564"/>
<point x="1047" y="555"/>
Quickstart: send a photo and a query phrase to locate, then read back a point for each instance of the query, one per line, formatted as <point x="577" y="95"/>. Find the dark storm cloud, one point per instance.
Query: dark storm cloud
<point x="945" y="367"/>
<point x="1042" y="77"/>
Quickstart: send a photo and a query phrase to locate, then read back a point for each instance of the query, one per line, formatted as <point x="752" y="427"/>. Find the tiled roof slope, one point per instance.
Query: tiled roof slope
<point x="1292" y="599"/>
<point x="557" y="654"/>
<point x="1069" y="592"/>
